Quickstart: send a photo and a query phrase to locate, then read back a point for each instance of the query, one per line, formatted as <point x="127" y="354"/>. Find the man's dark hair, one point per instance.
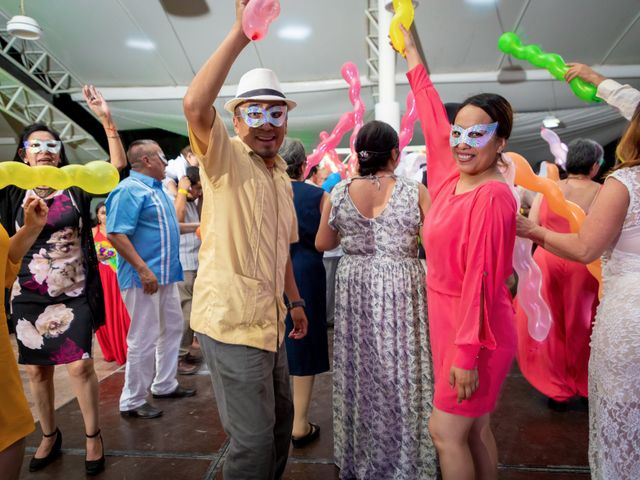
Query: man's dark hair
<point x="193" y="174"/>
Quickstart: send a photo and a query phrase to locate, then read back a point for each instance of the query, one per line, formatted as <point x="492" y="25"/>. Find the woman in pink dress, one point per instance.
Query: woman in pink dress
<point x="469" y="235"/>
<point x="558" y="366"/>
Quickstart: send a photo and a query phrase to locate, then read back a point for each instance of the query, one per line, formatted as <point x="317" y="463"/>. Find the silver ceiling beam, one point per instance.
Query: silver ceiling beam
<point x="27" y="107"/>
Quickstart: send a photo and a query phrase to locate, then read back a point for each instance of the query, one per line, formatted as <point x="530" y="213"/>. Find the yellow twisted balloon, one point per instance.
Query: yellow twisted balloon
<point x="404" y="15"/>
<point x="96" y="177"/>
<point x="526" y="178"/>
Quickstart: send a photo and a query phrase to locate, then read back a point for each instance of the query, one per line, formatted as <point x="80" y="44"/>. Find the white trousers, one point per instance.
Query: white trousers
<point x="153" y="341"/>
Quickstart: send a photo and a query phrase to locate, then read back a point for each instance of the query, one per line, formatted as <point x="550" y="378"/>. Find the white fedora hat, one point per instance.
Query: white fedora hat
<point x="258" y="84"/>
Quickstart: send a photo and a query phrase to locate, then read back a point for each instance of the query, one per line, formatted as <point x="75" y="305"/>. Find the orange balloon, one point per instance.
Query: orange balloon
<point x="553" y="173"/>
<point x="198" y="234"/>
<point x="526" y="178"/>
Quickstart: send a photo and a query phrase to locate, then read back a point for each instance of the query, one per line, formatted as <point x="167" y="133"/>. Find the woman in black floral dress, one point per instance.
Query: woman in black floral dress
<point x="56" y="301"/>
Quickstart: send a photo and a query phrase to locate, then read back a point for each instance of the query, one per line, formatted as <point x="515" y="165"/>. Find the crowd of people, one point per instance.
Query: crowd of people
<point x="217" y="257"/>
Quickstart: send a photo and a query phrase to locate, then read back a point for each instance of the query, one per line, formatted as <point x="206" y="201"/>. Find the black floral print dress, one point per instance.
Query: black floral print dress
<point x="49" y="305"/>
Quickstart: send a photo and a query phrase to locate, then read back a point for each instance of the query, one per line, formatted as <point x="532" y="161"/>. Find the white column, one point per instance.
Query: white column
<point x="387" y="109"/>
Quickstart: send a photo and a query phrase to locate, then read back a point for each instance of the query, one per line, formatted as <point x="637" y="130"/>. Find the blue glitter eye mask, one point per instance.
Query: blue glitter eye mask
<point x="255" y="116"/>
<point x="476" y="136"/>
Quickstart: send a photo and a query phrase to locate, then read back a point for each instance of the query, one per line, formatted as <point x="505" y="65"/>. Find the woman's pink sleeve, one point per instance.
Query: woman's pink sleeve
<point x="489" y="254"/>
<point x="436" y="128"/>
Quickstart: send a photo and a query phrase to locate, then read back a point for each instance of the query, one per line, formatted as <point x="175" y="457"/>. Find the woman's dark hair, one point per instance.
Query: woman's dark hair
<point x="39" y="127"/>
<point x="374" y="144"/>
<point x="583" y="153"/>
<point x="292" y="151"/>
<point x="193" y="174"/>
<point x="497" y="107"/>
<point x="96" y="210"/>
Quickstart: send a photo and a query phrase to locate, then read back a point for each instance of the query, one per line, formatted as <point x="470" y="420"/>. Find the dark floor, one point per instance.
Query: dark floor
<point x="188" y="442"/>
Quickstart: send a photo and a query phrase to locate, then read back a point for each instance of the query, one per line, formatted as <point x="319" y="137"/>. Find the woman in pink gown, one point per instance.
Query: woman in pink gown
<point x="558" y="366"/>
<point x="469" y="237"/>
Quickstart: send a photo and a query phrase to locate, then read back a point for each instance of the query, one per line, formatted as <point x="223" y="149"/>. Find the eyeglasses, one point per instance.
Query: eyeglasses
<point x="39" y="146"/>
<point x="255" y="116"/>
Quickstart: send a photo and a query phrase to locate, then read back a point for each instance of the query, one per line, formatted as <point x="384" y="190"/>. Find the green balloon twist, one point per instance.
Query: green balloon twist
<point x="511" y="44"/>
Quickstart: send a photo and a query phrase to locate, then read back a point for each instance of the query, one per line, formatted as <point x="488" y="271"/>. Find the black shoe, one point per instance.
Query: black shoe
<point x="94" y="467"/>
<point x="179" y="392"/>
<point x="144" y="411"/>
<point x="314" y="433"/>
<point x="39" y="463"/>
<point x="557" y="406"/>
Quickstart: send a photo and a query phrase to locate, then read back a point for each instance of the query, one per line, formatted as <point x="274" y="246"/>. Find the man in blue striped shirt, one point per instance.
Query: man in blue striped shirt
<point x="142" y="226"/>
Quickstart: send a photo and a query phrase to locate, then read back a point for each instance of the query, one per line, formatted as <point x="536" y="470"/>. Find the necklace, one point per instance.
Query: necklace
<point x="43" y="192"/>
<point x="375" y="179"/>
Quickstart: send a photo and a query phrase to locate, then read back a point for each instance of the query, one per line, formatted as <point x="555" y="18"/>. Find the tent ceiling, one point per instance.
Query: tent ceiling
<point x="103" y="43"/>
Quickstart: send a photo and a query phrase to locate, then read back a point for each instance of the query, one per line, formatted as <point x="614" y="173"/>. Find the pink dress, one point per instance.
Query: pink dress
<point x="469" y="241"/>
<point x="558" y="366"/>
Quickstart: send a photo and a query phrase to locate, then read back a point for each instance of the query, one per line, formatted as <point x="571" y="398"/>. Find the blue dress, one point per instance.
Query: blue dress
<point x="310" y="355"/>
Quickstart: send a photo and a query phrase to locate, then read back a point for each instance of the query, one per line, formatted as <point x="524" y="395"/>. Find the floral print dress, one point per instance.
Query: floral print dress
<point x="49" y="307"/>
<point x="382" y="373"/>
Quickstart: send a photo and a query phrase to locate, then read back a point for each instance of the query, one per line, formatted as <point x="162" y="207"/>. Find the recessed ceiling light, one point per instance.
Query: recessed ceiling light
<point x="141" y="44"/>
<point x="294" y="32"/>
<point x="481" y="2"/>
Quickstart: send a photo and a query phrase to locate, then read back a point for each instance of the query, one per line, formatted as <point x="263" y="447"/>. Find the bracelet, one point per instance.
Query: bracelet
<point x="113" y="136"/>
<point x="183" y="191"/>
<point x="296" y="304"/>
<point x="113" y="129"/>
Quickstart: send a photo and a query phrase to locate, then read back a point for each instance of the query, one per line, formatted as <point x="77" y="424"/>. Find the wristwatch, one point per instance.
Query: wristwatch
<point x="296" y="304"/>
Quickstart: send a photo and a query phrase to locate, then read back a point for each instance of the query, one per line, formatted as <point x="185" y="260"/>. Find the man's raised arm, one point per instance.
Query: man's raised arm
<point x="206" y="85"/>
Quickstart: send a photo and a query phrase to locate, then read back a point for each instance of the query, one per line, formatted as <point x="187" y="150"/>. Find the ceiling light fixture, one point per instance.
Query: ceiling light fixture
<point x="294" y="32"/>
<point x="24" y="27"/>
<point x="481" y="2"/>
<point x="551" y="122"/>
<point x="141" y="44"/>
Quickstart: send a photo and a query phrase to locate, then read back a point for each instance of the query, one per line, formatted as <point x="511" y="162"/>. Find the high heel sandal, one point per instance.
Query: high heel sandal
<point x="39" y="463"/>
<point x="94" y="467"/>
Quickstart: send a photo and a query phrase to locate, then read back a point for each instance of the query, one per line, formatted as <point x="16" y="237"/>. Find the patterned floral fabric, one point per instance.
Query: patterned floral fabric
<point x="383" y="383"/>
<point x="614" y="392"/>
<point x="48" y="297"/>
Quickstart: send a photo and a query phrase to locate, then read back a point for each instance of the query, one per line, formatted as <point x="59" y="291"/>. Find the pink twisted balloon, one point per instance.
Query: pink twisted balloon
<point x="331" y="142"/>
<point x="529" y="275"/>
<point x="333" y="155"/>
<point x="408" y="121"/>
<point x="257" y="16"/>
<point x="352" y="77"/>
<point x="558" y="149"/>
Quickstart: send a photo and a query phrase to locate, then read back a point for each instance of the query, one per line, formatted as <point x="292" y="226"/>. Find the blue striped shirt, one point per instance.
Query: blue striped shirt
<point x="140" y="209"/>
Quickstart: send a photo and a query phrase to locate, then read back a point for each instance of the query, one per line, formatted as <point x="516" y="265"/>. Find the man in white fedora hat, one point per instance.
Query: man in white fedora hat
<point x="248" y="222"/>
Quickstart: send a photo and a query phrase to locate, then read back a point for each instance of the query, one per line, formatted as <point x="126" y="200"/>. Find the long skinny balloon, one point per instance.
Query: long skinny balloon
<point x="557" y="203"/>
<point x="539" y="316"/>
<point x="408" y="121"/>
<point x="404" y="14"/>
<point x="97" y="177"/>
<point x="511" y="44"/>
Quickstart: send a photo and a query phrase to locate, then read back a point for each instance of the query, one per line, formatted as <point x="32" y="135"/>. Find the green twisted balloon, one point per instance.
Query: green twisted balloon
<point x="95" y="177"/>
<point x="511" y="44"/>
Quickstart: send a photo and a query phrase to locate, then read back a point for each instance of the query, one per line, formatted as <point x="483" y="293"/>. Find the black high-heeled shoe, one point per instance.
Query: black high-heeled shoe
<point x="39" y="463"/>
<point x="94" y="467"/>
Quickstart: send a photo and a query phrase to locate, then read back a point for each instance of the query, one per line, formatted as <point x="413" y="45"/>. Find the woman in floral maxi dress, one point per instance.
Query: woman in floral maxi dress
<point x="382" y="376"/>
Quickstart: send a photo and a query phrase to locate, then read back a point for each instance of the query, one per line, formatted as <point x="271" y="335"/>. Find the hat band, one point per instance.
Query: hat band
<point x="259" y="92"/>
